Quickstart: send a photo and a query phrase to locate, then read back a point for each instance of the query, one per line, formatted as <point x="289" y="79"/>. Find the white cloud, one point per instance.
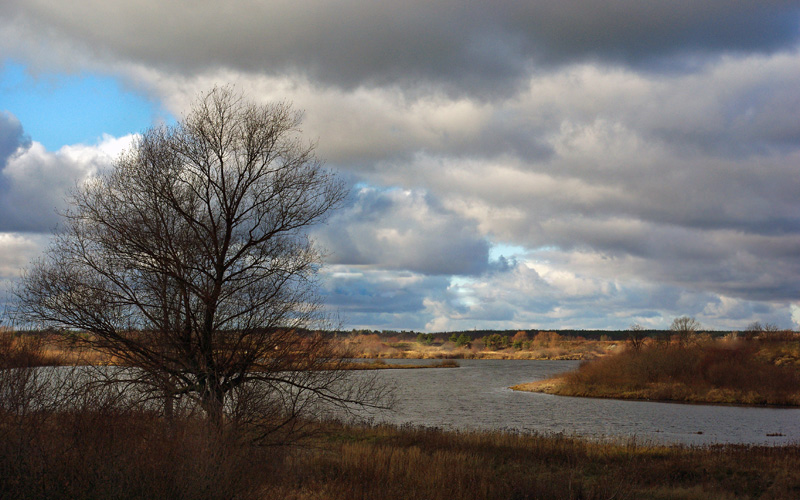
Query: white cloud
<point x="35" y="182"/>
<point x="795" y="309"/>
<point x="17" y="250"/>
<point x="650" y="163"/>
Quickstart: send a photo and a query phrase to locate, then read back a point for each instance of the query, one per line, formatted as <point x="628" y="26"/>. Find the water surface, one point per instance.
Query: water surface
<point x="477" y="396"/>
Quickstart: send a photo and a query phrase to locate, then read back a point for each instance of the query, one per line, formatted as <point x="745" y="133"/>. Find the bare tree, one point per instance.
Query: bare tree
<point x="189" y="261"/>
<point x="684" y="328"/>
<point x="636" y="336"/>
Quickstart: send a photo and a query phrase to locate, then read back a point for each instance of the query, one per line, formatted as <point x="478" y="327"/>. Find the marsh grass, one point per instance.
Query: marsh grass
<point x="547" y="347"/>
<point x="27" y="350"/>
<point x="117" y="454"/>
<point x="392" y="463"/>
<point x="715" y="371"/>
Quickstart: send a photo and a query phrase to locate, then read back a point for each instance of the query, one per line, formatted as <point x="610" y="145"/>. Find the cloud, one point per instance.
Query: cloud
<point x="16" y="251"/>
<point x="644" y="155"/>
<point x="795" y="312"/>
<point x="543" y="294"/>
<point x="688" y="180"/>
<point x="35" y="183"/>
<point x="12" y="137"/>
<point x="404" y="230"/>
<point x="476" y="47"/>
<point x="380" y="299"/>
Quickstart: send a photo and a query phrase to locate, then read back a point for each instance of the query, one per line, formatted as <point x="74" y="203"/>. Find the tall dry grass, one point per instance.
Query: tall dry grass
<point x="545" y="345"/>
<point x="111" y="454"/>
<point x="716" y="371"/>
<point x="391" y="463"/>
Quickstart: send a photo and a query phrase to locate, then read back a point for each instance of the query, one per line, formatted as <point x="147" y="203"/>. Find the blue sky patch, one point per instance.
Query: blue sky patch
<point x="60" y="109"/>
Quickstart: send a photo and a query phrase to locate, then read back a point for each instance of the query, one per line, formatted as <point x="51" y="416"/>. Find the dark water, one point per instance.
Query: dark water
<point x="476" y="396"/>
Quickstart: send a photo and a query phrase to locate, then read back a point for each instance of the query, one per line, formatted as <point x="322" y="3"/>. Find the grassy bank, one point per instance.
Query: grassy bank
<point x="714" y="371"/>
<point x="102" y="454"/>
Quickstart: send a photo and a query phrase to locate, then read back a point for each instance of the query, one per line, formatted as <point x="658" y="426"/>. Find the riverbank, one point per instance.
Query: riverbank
<point x="748" y="373"/>
<point x="42" y="349"/>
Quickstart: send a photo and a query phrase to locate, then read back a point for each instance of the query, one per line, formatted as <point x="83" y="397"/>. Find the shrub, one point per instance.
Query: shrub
<point x="425" y="338"/>
<point x="462" y="340"/>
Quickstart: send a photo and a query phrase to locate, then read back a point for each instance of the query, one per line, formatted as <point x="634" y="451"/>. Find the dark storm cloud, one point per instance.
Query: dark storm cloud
<point x="474" y="46"/>
<point x="655" y="33"/>
<point x="730" y="263"/>
<point x="643" y="154"/>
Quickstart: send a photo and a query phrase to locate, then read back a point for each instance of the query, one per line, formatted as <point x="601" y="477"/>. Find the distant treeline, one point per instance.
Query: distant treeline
<point x="477" y="334"/>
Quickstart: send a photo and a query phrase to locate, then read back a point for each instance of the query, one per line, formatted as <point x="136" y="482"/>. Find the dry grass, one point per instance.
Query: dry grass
<point x="391" y="463"/>
<point x="101" y="454"/>
<point x="60" y="349"/>
<point x="724" y="372"/>
<point x="554" y="347"/>
<point x="27" y="350"/>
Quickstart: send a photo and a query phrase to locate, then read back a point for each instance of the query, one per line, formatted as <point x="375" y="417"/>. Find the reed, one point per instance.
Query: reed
<point x="119" y="454"/>
<point x="715" y="371"/>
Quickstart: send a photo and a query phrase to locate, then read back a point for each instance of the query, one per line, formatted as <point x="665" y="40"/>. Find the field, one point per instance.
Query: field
<point x="57" y="349"/>
<point x="122" y="455"/>
<point x="544" y="345"/>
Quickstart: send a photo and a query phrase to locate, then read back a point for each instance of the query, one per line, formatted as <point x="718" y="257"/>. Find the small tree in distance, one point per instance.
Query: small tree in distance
<point x="684" y="328"/>
<point x="636" y="336"/>
<point x="189" y="261"/>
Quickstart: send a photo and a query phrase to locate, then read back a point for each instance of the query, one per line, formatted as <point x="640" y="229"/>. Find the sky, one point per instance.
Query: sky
<point x="513" y="165"/>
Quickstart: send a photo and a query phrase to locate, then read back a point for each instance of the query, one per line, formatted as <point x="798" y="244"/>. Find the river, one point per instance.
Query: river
<point x="476" y="396"/>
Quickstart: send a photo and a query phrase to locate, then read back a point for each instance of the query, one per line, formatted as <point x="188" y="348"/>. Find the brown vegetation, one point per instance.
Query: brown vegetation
<point x="124" y="455"/>
<point x="540" y="345"/>
<point x="756" y="372"/>
<point x="70" y="349"/>
<point x="26" y="350"/>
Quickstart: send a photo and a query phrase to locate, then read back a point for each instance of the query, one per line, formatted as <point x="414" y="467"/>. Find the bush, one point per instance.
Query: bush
<point x="425" y="338"/>
<point x="462" y="340"/>
<point x="496" y="341"/>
